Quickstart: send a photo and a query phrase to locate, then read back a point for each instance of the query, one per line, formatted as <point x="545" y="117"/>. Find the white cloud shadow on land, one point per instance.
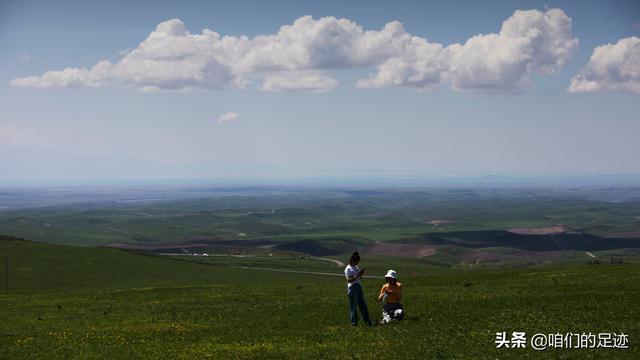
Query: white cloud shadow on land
<point x="612" y="67"/>
<point x="299" y="55"/>
<point x="228" y="117"/>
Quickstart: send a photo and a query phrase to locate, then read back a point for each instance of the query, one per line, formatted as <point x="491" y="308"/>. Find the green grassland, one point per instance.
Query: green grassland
<point x="93" y="303"/>
<point x="371" y="216"/>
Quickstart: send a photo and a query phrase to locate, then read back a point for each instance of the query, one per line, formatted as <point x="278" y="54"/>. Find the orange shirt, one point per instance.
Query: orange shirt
<point x="395" y="293"/>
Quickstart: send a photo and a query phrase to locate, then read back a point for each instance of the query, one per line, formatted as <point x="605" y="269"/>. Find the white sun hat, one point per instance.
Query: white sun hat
<point x="391" y="274"/>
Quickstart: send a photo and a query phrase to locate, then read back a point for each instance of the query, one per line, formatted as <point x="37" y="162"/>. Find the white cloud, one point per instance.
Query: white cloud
<point x="168" y="59"/>
<point x="25" y="58"/>
<point x="298" y="56"/>
<point x="612" y="67"/>
<point x="68" y="77"/>
<point x="228" y="117"/>
<point x="302" y="80"/>
<point x="529" y="42"/>
<point x="420" y="65"/>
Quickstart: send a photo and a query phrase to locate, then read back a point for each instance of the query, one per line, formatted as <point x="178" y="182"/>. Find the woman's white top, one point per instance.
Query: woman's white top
<point x="351" y="271"/>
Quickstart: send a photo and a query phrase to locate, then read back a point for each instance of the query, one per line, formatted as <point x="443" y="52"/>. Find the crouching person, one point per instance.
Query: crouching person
<point x="390" y="296"/>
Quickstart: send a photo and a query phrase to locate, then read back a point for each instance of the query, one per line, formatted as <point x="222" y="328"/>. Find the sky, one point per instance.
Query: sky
<point x="287" y="89"/>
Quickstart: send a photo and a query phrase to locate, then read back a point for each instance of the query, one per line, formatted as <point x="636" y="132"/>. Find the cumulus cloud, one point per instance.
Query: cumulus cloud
<point x="420" y="65"/>
<point x="228" y="117"/>
<point x="528" y="42"/>
<point x="302" y="80"/>
<point x="299" y="55"/>
<point x="68" y="77"/>
<point x="612" y="67"/>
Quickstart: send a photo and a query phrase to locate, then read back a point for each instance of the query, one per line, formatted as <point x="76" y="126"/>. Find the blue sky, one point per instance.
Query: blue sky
<point x="327" y="112"/>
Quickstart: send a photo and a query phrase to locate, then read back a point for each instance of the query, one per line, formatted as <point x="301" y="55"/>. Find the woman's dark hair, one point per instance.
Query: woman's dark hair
<point x="354" y="257"/>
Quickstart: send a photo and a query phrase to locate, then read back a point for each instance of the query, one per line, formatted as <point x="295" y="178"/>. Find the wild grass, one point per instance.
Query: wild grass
<point x="82" y="303"/>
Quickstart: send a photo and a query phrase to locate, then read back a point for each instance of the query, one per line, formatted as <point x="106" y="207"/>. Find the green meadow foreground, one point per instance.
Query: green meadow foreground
<point x="70" y="302"/>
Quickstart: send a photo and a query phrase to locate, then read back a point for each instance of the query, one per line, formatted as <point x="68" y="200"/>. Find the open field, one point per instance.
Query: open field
<point x="259" y="275"/>
<point x="68" y="302"/>
<point x="447" y="225"/>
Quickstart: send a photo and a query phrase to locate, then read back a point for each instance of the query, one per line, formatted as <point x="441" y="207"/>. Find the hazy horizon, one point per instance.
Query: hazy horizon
<point x="417" y="181"/>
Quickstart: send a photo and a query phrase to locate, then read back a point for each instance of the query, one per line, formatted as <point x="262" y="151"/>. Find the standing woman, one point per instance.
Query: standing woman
<point x="354" y="290"/>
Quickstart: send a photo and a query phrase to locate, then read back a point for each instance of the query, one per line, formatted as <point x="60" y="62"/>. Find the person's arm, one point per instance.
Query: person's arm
<point x="398" y="293"/>
<point x="382" y="292"/>
<point x="355" y="277"/>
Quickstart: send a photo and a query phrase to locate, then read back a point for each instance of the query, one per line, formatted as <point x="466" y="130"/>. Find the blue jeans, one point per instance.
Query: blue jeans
<point x="356" y="299"/>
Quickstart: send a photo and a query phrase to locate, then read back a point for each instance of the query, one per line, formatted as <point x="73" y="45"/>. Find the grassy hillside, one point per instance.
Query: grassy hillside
<point x="87" y="303"/>
<point x="37" y="267"/>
